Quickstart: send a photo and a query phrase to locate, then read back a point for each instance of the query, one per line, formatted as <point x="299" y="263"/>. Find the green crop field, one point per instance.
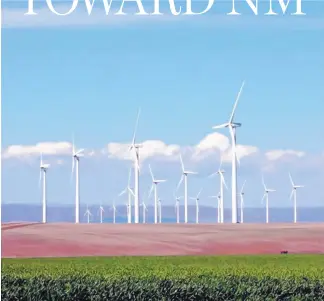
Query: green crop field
<point x="283" y="277"/>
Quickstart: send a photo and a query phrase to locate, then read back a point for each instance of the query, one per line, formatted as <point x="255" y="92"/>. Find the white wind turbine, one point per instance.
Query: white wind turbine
<point x="222" y="183"/>
<point x="130" y="193"/>
<point x="144" y="211"/>
<point x="197" y="206"/>
<point x="266" y="196"/>
<point x="294" y="194"/>
<point x="232" y="128"/>
<point x="154" y="186"/>
<point x="242" y="202"/>
<point x="101" y="211"/>
<point x="135" y="147"/>
<point x="184" y="176"/>
<point x="218" y="197"/>
<point x="114" y="210"/>
<point x="43" y="169"/>
<point x="88" y="214"/>
<point x="76" y="154"/>
<point x="177" y="207"/>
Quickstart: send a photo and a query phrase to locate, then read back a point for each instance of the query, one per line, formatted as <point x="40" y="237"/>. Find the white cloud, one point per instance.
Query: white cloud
<point x="208" y="145"/>
<point x="275" y="155"/>
<point x="47" y="148"/>
<point x="151" y="148"/>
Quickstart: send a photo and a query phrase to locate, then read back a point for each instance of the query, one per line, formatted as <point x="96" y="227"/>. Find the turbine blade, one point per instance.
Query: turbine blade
<point x="243" y="186"/>
<point x="234" y="150"/>
<point x="221" y="126"/>
<point x="236" y="102"/>
<point x="223" y="180"/>
<point x="264" y="196"/>
<point x="291" y="194"/>
<point x="182" y="163"/>
<point x="151" y="190"/>
<point x="129" y="175"/>
<point x="199" y="193"/>
<point x="136" y="124"/>
<point x="122" y="193"/>
<point x="40" y="178"/>
<point x="291" y="180"/>
<point x="131" y="191"/>
<point x="213" y="174"/>
<point x="181" y="179"/>
<point x="151" y="172"/>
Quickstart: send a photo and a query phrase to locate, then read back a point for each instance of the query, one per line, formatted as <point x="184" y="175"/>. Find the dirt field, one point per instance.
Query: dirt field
<point x="63" y="240"/>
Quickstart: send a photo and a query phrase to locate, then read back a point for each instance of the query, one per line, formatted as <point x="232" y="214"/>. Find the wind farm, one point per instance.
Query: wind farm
<point x="220" y="231"/>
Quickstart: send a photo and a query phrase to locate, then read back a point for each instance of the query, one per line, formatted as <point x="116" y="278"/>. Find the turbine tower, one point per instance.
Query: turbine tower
<point x="266" y="196"/>
<point x="242" y="202"/>
<point x="135" y="147"/>
<point x="101" y="211"/>
<point x="232" y="129"/>
<point x="144" y="211"/>
<point x="177" y="207"/>
<point x="184" y="176"/>
<point x="197" y="206"/>
<point x="294" y="194"/>
<point x="154" y="186"/>
<point x="88" y="214"/>
<point x="114" y="210"/>
<point x="218" y="197"/>
<point x="43" y="169"/>
<point x="222" y="183"/>
<point x="76" y="154"/>
<point x="130" y="193"/>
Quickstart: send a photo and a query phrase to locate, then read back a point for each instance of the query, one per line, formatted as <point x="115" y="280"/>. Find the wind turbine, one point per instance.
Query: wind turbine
<point x="184" y="176"/>
<point x="218" y="197"/>
<point x="135" y="147"/>
<point x="197" y="206"/>
<point x="266" y="196"/>
<point x="114" y="210"/>
<point x="242" y="202"/>
<point x="294" y="194"/>
<point x="88" y="214"/>
<point x="144" y="211"/>
<point x="101" y="211"/>
<point x="76" y="154"/>
<point x="130" y="193"/>
<point x="43" y="169"/>
<point x="232" y="128"/>
<point x="222" y="183"/>
<point x="177" y="207"/>
<point x="154" y="186"/>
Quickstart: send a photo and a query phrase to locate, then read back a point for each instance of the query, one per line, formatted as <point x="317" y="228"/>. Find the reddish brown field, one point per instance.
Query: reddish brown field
<point x="63" y="240"/>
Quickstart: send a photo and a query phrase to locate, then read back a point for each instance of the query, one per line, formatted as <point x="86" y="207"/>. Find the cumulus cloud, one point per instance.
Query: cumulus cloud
<point x="275" y="155"/>
<point x="151" y="148"/>
<point x="47" y="148"/>
<point x="212" y="142"/>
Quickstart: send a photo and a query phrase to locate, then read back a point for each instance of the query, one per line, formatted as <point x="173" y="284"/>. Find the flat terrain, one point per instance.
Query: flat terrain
<point x="70" y="240"/>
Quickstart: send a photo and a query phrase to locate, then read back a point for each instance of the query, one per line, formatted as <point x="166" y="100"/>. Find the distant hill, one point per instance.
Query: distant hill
<point x="32" y="213"/>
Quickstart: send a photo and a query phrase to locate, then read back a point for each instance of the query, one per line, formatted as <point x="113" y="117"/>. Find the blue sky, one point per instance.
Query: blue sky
<point x="73" y="75"/>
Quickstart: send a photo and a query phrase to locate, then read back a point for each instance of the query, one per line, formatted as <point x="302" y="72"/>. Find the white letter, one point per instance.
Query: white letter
<point x="250" y="3"/>
<point x="156" y="8"/>
<point x="30" y="8"/>
<point x="190" y="12"/>
<point x="173" y="9"/>
<point x="90" y="6"/>
<point x="252" y="6"/>
<point x="284" y="8"/>
<point x="233" y="12"/>
<point x="50" y="6"/>
<point x="139" y="5"/>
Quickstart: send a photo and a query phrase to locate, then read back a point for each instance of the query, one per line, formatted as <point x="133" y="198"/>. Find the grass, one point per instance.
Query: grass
<point x="282" y="266"/>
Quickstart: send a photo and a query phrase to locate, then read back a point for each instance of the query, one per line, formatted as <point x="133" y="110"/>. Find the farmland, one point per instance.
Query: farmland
<point x="165" y="278"/>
